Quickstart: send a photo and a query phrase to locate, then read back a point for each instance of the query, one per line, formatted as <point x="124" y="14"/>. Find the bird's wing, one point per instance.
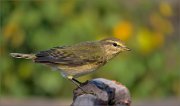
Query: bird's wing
<point x="70" y="55"/>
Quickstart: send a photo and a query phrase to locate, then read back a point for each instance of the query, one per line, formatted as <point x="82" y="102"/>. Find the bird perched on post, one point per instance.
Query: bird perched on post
<point x="79" y="59"/>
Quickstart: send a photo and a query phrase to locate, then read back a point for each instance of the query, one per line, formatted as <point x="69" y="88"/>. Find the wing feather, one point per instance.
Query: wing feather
<point x="71" y="56"/>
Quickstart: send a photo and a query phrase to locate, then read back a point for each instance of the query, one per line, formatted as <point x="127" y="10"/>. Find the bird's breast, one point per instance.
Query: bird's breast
<point x="79" y="70"/>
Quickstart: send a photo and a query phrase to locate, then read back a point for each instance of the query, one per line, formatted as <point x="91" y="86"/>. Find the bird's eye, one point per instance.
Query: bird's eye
<point x="115" y="44"/>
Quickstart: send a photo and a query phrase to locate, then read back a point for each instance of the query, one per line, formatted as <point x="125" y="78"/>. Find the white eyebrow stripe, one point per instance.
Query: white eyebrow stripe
<point x="122" y="45"/>
<point x="112" y="41"/>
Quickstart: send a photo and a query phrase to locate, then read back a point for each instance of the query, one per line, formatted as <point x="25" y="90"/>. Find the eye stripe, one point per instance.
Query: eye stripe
<point x="118" y="43"/>
<point x="122" y="45"/>
<point x="112" y="42"/>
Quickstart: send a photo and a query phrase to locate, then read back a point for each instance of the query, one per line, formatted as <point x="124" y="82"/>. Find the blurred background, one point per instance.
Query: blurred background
<point x="151" y="28"/>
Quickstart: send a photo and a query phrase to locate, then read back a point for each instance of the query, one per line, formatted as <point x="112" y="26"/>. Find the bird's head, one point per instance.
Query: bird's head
<point x="113" y="46"/>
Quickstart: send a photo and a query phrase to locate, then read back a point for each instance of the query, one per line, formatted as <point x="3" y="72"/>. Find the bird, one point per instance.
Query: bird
<point x="79" y="59"/>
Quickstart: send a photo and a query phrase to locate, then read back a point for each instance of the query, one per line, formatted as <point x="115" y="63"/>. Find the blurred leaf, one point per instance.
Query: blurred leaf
<point x="25" y="70"/>
<point x="49" y="82"/>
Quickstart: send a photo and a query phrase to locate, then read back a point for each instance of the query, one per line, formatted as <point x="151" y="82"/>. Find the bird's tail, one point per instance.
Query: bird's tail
<point x="21" y="55"/>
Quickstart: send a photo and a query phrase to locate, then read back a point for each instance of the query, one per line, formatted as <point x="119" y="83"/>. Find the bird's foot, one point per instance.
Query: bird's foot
<point x="77" y="83"/>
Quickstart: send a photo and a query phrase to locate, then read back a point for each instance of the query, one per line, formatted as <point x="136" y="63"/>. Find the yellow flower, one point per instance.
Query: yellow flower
<point x="161" y="24"/>
<point x="13" y="33"/>
<point x="9" y="29"/>
<point x="165" y="9"/>
<point x="148" y="41"/>
<point x="123" y="30"/>
<point x="158" y="39"/>
<point x="144" y="41"/>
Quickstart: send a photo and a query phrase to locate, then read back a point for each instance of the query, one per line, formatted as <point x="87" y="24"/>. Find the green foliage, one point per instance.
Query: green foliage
<point x="151" y="69"/>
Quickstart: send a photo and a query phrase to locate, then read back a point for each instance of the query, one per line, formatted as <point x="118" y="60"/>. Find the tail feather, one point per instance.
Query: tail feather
<point x="21" y="55"/>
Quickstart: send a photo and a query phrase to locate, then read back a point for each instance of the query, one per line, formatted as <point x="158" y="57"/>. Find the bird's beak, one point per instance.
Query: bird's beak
<point x="126" y="49"/>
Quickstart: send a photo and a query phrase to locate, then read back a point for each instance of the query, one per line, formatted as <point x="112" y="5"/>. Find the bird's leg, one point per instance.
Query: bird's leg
<point x="76" y="82"/>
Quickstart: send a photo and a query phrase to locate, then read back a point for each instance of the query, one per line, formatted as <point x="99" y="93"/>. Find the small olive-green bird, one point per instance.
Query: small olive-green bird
<point x="79" y="59"/>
